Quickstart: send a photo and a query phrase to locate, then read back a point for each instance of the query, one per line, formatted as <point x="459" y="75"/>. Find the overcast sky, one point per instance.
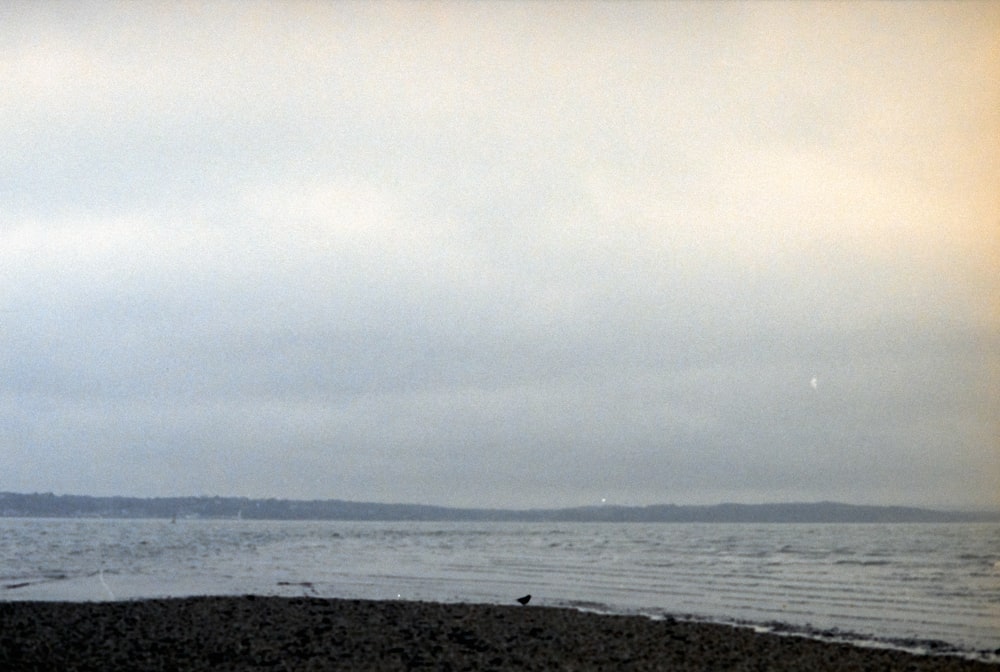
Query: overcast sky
<point x="513" y="254"/>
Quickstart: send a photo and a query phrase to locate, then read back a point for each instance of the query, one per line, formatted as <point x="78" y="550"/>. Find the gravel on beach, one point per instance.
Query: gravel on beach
<point x="280" y="633"/>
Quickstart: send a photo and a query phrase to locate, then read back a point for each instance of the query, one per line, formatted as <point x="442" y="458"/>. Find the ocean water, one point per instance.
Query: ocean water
<point x="924" y="587"/>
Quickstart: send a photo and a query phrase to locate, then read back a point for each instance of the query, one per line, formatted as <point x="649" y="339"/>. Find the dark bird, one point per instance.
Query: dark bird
<point x="525" y="599"/>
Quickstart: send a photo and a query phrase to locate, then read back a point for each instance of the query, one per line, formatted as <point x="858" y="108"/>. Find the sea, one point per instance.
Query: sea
<point x="928" y="588"/>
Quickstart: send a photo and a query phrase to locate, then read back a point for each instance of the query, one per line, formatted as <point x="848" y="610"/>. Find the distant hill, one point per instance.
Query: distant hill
<point x="82" y="506"/>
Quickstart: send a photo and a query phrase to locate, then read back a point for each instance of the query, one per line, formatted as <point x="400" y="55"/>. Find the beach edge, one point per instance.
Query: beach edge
<point x="268" y="632"/>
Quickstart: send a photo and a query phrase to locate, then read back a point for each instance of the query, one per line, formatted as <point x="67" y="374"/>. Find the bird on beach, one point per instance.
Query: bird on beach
<point x="524" y="600"/>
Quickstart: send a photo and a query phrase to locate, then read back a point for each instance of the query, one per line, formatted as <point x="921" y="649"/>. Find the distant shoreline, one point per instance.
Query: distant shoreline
<point x="48" y="505"/>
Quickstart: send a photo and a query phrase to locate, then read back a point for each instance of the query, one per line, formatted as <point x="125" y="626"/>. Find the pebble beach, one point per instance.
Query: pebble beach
<point x="282" y="633"/>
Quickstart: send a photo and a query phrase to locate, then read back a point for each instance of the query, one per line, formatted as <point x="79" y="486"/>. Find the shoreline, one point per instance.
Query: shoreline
<point x="256" y="632"/>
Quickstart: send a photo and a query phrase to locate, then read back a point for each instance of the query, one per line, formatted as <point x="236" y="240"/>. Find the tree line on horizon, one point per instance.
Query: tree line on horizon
<point x="84" y="506"/>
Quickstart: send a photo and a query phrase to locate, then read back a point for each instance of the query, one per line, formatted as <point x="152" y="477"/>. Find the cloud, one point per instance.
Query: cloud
<point x="502" y="254"/>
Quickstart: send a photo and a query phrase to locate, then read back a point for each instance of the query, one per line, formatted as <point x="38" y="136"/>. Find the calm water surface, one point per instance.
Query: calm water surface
<point x="903" y="585"/>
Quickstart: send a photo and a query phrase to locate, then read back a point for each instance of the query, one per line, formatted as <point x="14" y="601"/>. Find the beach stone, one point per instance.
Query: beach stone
<point x="264" y="633"/>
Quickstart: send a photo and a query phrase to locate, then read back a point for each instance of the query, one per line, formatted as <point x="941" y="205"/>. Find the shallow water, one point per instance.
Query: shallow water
<point x="905" y="585"/>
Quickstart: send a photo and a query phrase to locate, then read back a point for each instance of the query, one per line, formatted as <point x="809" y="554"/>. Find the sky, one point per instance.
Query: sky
<point x="502" y="254"/>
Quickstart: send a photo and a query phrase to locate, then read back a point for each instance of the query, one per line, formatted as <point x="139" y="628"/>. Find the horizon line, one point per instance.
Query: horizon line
<point x="949" y="508"/>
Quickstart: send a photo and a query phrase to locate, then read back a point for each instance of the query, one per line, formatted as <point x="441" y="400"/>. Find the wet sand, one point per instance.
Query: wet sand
<point x="276" y="633"/>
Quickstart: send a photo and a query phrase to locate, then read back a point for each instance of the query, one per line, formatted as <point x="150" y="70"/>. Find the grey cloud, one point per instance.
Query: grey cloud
<point x="294" y="261"/>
